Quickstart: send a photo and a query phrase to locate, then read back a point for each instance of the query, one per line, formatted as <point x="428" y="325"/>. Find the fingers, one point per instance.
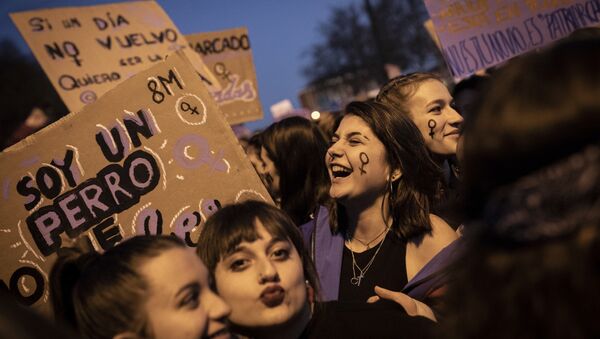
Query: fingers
<point x="400" y="298"/>
<point x="411" y="306"/>
<point x="373" y="299"/>
<point x="425" y="311"/>
<point x="385" y="293"/>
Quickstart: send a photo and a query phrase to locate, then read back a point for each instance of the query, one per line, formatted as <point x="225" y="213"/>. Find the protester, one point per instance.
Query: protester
<point x="292" y="156"/>
<point x="467" y="92"/>
<point x="260" y="267"/>
<point x="150" y="286"/>
<point x="252" y="149"/>
<point x="532" y="180"/>
<point x="378" y="231"/>
<point x="426" y="100"/>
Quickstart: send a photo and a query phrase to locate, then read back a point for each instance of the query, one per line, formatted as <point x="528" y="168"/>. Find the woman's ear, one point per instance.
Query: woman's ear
<point x="310" y="291"/>
<point x="396" y="174"/>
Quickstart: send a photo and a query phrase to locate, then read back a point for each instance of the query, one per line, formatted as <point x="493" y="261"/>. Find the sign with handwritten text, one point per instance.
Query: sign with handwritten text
<point x="477" y="34"/>
<point x="85" y="51"/>
<point x="152" y="156"/>
<point x="228" y="54"/>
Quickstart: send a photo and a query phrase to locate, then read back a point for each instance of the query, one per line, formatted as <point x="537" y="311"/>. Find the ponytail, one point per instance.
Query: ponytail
<point x="103" y="295"/>
<point x="68" y="268"/>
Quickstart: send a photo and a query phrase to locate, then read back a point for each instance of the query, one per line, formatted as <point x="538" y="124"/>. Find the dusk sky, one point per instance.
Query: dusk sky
<point x="279" y="31"/>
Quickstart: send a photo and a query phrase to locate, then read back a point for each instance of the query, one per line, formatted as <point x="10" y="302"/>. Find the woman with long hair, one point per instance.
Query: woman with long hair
<point x="379" y="231"/>
<point x="425" y="99"/>
<point x="292" y="166"/>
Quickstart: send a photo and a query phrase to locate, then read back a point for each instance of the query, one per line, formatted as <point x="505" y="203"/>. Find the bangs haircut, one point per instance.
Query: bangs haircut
<point x="225" y="230"/>
<point x="229" y="227"/>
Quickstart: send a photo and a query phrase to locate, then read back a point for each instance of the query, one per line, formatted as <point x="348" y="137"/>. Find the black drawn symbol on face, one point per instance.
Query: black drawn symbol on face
<point x="364" y="159"/>
<point x="431" y="123"/>
<point x="189" y="108"/>
<point x="222" y="71"/>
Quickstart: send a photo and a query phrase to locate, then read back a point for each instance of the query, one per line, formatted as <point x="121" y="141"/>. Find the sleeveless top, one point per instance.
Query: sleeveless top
<point x="388" y="270"/>
<point x="383" y="319"/>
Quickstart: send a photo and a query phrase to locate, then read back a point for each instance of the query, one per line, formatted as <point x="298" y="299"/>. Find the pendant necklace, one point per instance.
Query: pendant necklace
<point x="355" y="280"/>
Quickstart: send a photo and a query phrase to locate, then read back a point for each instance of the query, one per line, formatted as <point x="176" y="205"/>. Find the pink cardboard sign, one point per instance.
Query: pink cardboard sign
<point x="86" y="51"/>
<point x="228" y="54"/>
<point x="477" y="34"/>
<point x="154" y="155"/>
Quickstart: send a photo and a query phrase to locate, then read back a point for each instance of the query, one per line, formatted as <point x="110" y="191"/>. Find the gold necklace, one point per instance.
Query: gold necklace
<point x="355" y="280"/>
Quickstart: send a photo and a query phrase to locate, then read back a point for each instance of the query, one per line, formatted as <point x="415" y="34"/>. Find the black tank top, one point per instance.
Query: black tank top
<point x="388" y="270"/>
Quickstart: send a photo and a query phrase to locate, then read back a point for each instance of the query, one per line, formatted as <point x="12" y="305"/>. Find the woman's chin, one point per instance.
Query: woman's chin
<point x="335" y="194"/>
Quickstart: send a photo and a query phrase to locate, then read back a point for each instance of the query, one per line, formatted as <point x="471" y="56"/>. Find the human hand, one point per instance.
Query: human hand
<point x="412" y="306"/>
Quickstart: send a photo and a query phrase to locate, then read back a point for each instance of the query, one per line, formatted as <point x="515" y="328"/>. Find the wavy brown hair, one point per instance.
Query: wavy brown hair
<point x="412" y="195"/>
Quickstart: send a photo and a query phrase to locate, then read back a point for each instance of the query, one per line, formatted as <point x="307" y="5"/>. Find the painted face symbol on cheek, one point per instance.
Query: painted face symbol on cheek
<point x="431" y="123"/>
<point x="364" y="159"/>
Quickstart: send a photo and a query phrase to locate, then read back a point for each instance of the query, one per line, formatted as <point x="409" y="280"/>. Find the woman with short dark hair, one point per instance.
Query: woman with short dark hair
<point x="260" y="268"/>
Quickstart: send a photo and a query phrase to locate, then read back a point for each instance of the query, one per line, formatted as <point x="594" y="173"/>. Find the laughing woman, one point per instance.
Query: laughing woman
<point x="379" y="231"/>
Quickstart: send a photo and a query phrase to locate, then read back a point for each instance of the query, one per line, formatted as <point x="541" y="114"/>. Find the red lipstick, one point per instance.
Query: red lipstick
<point x="272" y="296"/>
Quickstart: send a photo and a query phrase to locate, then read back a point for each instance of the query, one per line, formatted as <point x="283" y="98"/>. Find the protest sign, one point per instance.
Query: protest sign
<point x="483" y="33"/>
<point x="85" y="51"/>
<point x="428" y="24"/>
<point x="228" y="54"/>
<point x="152" y="156"/>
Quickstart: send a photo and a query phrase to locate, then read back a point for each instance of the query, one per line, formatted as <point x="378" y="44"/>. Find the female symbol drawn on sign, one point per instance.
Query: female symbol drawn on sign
<point x="191" y="109"/>
<point x="222" y="71"/>
<point x="188" y="108"/>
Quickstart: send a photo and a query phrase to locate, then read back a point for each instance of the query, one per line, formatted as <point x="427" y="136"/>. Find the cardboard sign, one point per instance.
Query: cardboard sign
<point x="480" y="34"/>
<point x="86" y="51"/>
<point x="152" y="156"/>
<point x="228" y="54"/>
